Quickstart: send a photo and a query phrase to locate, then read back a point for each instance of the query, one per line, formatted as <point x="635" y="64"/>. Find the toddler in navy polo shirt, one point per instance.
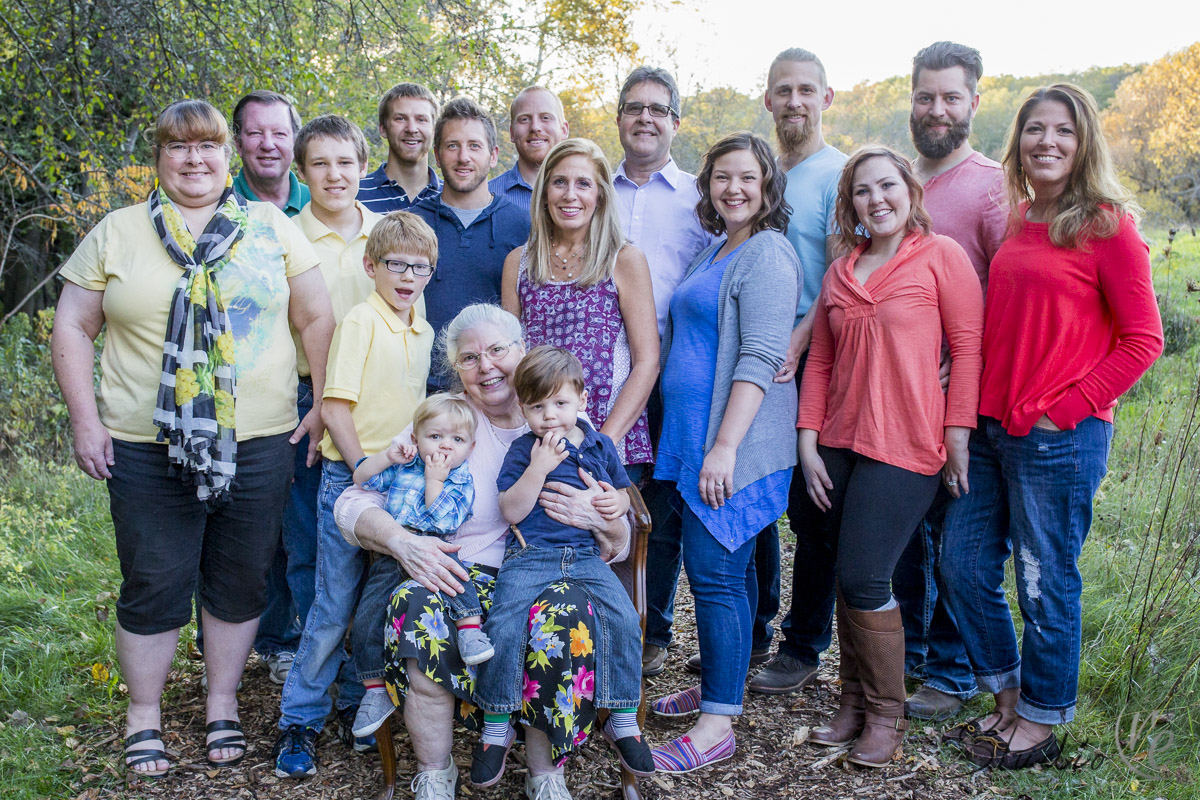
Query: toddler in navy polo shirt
<point x="550" y="387"/>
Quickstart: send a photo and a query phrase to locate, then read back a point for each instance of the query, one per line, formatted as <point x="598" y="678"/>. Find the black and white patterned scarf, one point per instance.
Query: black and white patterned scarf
<point x="197" y="391"/>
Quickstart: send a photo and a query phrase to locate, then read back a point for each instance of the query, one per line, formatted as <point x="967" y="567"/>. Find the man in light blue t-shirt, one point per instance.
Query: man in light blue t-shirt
<point x="797" y="93"/>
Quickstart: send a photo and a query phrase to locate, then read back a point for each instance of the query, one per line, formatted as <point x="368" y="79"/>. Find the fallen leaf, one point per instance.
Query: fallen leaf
<point x="800" y="736"/>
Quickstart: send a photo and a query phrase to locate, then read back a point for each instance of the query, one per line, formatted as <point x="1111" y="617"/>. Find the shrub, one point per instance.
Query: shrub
<point x="33" y="417"/>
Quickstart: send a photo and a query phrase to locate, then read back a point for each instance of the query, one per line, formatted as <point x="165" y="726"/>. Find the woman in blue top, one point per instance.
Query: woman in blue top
<point x="726" y="336"/>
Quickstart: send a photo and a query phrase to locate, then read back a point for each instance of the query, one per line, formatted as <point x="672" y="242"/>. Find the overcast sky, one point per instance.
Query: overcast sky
<point x="731" y="42"/>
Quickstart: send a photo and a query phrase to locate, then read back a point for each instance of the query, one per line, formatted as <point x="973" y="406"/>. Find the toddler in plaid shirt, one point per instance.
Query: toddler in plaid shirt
<point x="429" y="491"/>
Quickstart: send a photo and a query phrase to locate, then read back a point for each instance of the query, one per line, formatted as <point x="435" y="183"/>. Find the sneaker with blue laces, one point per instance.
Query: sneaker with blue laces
<point x="295" y="752"/>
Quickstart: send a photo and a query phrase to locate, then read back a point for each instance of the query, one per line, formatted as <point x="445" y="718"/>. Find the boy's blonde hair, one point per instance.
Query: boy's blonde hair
<point x="461" y="415"/>
<point x="544" y="371"/>
<point x="402" y="232"/>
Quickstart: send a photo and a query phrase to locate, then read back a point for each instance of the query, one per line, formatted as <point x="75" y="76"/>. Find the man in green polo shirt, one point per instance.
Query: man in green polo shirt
<point x="264" y="130"/>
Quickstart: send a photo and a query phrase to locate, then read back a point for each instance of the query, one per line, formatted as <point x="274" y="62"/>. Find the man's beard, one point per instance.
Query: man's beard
<point x="794" y="138"/>
<point x="936" y="147"/>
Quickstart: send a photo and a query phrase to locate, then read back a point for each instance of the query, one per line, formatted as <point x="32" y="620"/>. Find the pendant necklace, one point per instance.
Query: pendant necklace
<point x="561" y="262"/>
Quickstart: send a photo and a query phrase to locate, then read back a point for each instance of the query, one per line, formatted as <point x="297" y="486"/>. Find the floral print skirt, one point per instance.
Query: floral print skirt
<point x="559" y="679"/>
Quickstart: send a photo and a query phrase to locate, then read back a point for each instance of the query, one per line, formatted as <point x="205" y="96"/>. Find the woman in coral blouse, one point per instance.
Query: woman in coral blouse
<point x="1071" y="324"/>
<point x="875" y="428"/>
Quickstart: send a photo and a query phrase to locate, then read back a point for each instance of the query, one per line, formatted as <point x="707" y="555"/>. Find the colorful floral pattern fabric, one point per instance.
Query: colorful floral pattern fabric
<point x="559" y="679"/>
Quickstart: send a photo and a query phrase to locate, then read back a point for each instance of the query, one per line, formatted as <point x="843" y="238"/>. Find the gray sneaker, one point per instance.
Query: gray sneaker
<point x="929" y="703"/>
<point x="279" y="665"/>
<point x="436" y="784"/>
<point x="782" y="675"/>
<point x="654" y="660"/>
<point x="550" y="786"/>
<point x="376" y="706"/>
<point x="474" y="646"/>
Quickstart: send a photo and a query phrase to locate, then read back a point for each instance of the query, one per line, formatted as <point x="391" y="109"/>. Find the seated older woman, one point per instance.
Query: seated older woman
<point x="194" y="423"/>
<point x="484" y="344"/>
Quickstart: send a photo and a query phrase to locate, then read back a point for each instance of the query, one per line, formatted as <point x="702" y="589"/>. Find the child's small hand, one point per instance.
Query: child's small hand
<point x="401" y="453"/>
<point x="437" y="466"/>
<point x="611" y="503"/>
<point x="548" y="452"/>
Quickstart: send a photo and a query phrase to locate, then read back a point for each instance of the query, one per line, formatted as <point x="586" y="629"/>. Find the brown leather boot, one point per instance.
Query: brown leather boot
<point x="847" y="723"/>
<point x="879" y="645"/>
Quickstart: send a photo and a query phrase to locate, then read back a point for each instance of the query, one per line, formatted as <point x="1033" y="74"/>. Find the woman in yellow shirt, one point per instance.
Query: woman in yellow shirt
<point x="194" y="423"/>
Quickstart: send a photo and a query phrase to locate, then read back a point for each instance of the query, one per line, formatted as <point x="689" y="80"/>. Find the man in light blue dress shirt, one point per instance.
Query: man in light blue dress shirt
<point x="536" y="123"/>
<point x="657" y="203"/>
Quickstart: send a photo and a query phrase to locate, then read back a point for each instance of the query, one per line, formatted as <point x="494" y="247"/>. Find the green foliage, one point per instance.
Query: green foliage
<point x="85" y="78"/>
<point x="57" y="671"/>
<point x="33" y="418"/>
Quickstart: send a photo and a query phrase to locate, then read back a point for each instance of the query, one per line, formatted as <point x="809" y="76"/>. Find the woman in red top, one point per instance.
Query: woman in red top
<point x="875" y="427"/>
<point x="1071" y="323"/>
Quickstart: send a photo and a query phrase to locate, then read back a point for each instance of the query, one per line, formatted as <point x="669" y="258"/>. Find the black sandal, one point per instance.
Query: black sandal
<point x="235" y="740"/>
<point x="1043" y="752"/>
<point x="145" y="755"/>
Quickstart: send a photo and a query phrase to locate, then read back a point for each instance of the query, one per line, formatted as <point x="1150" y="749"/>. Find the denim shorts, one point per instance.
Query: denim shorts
<point x="525" y="574"/>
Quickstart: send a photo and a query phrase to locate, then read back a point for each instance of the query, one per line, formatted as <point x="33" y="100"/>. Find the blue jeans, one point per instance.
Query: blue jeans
<point x="341" y="570"/>
<point x="726" y="594"/>
<point x="524" y="575"/>
<point x="293" y="576"/>
<point x="933" y="648"/>
<point x="1032" y="494"/>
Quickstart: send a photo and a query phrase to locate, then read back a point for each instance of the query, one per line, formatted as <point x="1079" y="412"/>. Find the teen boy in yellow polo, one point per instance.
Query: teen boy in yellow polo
<point x="332" y="152"/>
<point x="378" y="365"/>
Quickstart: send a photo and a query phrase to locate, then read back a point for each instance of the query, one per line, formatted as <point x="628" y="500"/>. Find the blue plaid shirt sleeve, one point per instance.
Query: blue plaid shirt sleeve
<point x="450" y="510"/>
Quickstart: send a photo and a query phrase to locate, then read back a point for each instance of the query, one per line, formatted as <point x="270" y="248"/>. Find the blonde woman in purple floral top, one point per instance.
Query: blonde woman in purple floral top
<point x="578" y="285"/>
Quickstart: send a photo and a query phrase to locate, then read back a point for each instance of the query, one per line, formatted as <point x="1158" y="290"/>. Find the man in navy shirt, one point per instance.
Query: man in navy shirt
<point x="536" y="123"/>
<point x="406" y="115"/>
<point x="475" y="228"/>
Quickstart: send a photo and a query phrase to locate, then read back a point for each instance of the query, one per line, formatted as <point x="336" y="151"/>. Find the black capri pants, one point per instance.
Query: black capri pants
<point x="875" y="509"/>
<point x="168" y="542"/>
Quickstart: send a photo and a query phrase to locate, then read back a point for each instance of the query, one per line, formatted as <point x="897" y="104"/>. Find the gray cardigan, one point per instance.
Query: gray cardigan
<point x="755" y="313"/>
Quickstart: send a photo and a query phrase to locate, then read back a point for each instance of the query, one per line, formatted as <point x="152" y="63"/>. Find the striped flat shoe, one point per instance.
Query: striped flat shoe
<point x="682" y="756"/>
<point x="679" y="704"/>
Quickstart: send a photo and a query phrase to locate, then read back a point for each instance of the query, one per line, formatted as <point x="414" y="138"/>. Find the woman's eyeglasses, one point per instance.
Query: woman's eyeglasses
<point x="469" y="361"/>
<point x="178" y="150"/>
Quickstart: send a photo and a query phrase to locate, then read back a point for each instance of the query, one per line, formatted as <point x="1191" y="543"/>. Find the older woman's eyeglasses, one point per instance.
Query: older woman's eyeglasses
<point x="469" y="361"/>
<point x="656" y="109"/>
<point x="400" y="267"/>
<point x="178" y="150"/>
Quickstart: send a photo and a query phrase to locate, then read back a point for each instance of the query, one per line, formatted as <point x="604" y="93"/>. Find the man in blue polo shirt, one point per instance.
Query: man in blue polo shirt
<point x="406" y="115"/>
<point x="475" y="228"/>
<point x="536" y="123"/>
<point x="264" y="130"/>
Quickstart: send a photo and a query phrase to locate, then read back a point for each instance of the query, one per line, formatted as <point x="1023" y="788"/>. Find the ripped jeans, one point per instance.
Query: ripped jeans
<point x="1031" y="495"/>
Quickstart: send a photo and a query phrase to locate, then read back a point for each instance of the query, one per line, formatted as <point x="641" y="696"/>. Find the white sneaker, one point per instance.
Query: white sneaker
<point x="279" y="665"/>
<point x="376" y="706"/>
<point x="436" y="784"/>
<point x="551" y="786"/>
